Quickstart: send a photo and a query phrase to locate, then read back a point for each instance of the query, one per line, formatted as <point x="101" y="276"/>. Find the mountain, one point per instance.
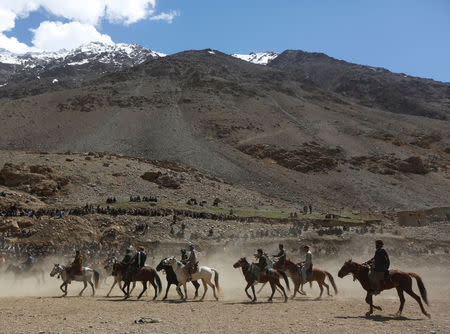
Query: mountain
<point x="260" y="58"/>
<point x="34" y="73"/>
<point x="264" y="127"/>
<point x="369" y="86"/>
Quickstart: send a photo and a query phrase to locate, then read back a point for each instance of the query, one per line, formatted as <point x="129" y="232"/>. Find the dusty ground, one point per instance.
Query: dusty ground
<point x="25" y="309"/>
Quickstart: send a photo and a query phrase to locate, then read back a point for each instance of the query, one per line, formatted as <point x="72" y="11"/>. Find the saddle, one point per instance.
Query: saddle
<point x="308" y="272"/>
<point x="194" y="268"/>
<point x="69" y="268"/>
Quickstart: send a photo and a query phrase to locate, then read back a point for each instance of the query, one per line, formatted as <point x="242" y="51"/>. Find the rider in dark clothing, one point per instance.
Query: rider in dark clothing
<point x="127" y="258"/>
<point x="281" y="257"/>
<point x="263" y="263"/>
<point x="184" y="256"/>
<point x="137" y="262"/>
<point x="379" y="265"/>
<point x="29" y="262"/>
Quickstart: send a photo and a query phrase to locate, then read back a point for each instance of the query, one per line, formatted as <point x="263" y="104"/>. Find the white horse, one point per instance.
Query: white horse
<point x="203" y="273"/>
<point x="85" y="277"/>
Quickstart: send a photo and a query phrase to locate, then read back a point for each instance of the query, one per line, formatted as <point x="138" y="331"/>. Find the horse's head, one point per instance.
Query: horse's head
<point x="348" y="267"/>
<point x="57" y="269"/>
<point x="241" y="263"/>
<point x="161" y="265"/>
<point x="171" y="261"/>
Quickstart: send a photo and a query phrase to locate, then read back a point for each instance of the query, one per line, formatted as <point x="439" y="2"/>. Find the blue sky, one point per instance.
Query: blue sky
<point x="409" y="36"/>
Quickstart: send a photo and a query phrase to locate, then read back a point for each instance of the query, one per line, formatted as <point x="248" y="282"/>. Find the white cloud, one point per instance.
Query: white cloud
<point x="54" y="36"/>
<point x="85" y="16"/>
<point x="168" y="17"/>
<point x="13" y="45"/>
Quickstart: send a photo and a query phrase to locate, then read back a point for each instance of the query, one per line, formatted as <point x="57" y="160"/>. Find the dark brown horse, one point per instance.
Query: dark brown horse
<point x="400" y="280"/>
<point x="251" y="278"/>
<point x="143" y="275"/>
<point x="317" y="275"/>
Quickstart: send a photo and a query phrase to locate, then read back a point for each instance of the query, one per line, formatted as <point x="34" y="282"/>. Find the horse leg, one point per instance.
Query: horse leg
<point x="132" y="288"/>
<point x="179" y="292"/>
<point x="185" y="291"/>
<point x="213" y="287"/>
<point x="156" y="289"/>
<point x="196" y="285"/>
<point x="144" y="285"/>
<point x="369" y="301"/>
<point x="85" y="286"/>
<point x="296" y="286"/>
<point x="253" y="290"/>
<point x="272" y="286"/>
<point x="167" y="291"/>
<point x="282" y="289"/>
<point x="401" y="296"/>
<point x="418" y="300"/>
<point x="61" y="287"/>
<point x="321" y="289"/>
<point x="205" y="288"/>
<point x="301" y="289"/>
<point x="328" y="288"/>
<point x="92" y="286"/>
<point x="114" y="283"/>
<point x="246" y="290"/>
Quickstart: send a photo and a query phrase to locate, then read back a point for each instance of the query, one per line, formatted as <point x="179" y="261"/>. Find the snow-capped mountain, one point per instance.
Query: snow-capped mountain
<point x="260" y="58"/>
<point x="84" y="62"/>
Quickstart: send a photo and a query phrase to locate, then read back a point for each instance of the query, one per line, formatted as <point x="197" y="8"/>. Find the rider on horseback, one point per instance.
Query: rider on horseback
<point x="137" y="262"/>
<point x="184" y="256"/>
<point x="379" y="265"/>
<point x="264" y="264"/>
<point x="77" y="266"/>
<point x="307" y="264"/>
<point x="29" y="262"/>
<point x="281" y="257"/>
<point x="127" y="258"/>
<point x="192" y="262"/>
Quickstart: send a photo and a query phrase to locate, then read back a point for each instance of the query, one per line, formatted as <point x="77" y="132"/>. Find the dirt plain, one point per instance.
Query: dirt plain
<point x="27" y="309"/>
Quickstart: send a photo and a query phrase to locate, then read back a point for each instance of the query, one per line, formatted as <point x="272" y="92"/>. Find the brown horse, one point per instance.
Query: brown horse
<point x="317" y="275"/>
<point x="397" y="279"/>
<point x="273" y="279"/>
<point x="143" y="275"/>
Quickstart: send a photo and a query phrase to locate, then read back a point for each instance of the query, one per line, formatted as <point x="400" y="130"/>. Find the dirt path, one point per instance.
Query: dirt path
<point x="341" y="314"/>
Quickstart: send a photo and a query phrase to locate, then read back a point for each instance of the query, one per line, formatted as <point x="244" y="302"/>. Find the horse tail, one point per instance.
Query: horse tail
<point x="216" y="279"/>
<point x="96" y="278"/>
<point x="423" y="291"/>
<point x="282" y="273"/>
<point x="158" y="281"/>
<point x="331" y="279"/>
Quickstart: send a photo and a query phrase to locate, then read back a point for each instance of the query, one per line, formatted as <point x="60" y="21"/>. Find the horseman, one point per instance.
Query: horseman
<point x="127" y="258"/>
<point x="281" y="257"/>
<point x="77" y="266"/>
<point x="379" y="265"/>
<point x="307" y="264"/>
<point x="29" y="262"/>
<point x="137" y="262"/>
<point x="264" y="264"/>
<point x="192" y="262"/>
<point x="184" y="256"/>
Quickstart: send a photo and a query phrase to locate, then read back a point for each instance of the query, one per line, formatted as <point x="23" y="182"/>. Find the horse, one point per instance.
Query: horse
<point x="85" y="277"/>
<point x="203" y="273"/>
<point x="317" y="275"/>
<point x="118" y="278"/>
<point x="172" y="279"/>
<point x="273" y="279"/>
<point x="143" y="275"/>
<point x="400" y="280"/>
<point x="32" y="272"/>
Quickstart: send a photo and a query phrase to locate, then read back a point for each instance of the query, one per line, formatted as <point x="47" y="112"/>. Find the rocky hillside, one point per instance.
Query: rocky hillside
<point x="263" y="127"/>
<point x="369" y="86"/>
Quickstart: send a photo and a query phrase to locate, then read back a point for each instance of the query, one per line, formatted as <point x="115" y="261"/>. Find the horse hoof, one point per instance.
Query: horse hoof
<point x="269" y="301"/>
<point x="428" y="315"/>
<point x="368" y="314"/>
